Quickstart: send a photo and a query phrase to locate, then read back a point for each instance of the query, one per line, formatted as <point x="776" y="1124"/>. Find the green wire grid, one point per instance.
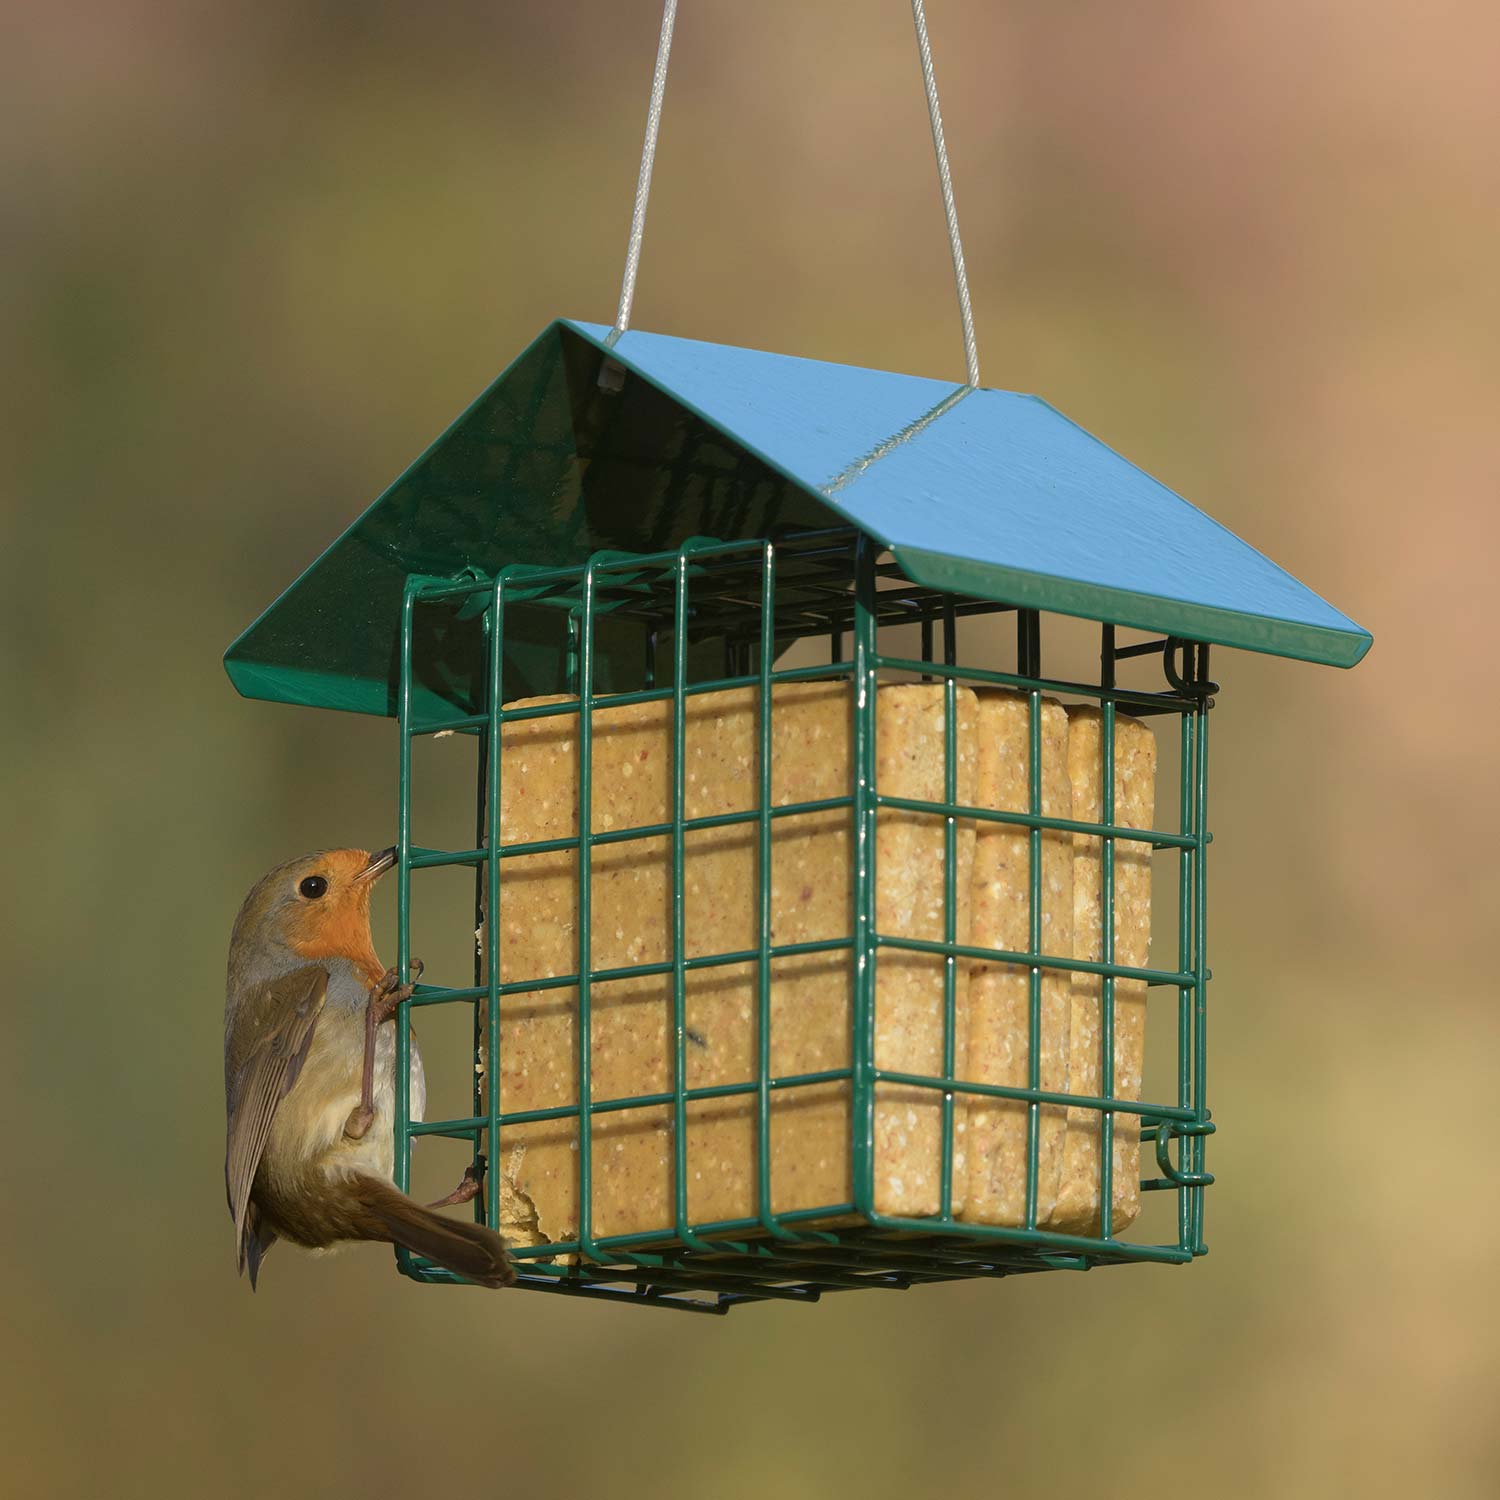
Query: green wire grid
<point x="751" y="599"/>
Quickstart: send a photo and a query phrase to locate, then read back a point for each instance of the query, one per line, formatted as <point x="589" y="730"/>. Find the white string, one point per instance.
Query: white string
<point x="648" y="160"/>
<point x="945" y="180"/>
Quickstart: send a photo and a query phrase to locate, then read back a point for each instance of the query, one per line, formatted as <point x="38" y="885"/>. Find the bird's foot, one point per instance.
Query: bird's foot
<point x="390" y="992"/>
<point x="471" y="1186"/>
<point x="361" y="1117"/>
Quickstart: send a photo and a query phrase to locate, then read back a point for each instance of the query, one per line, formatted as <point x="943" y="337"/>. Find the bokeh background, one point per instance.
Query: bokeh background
<point x="255" y="255"/>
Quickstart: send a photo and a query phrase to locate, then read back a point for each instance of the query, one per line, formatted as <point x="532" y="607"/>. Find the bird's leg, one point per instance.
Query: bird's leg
<point x="469" y="1188"/>
<point x="381" y="1006"/>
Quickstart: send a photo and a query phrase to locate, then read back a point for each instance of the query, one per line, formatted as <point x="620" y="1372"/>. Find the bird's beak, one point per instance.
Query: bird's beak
<point x="378" y="865"/>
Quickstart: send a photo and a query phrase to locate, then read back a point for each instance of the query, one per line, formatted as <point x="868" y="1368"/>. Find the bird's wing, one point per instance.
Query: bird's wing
<point x="283" y="1014"/>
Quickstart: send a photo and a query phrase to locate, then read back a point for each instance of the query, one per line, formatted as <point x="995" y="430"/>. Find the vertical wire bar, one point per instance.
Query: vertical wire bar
<point x="950" y="934"/>
<point x="763" y="915"/>
<point x="1034" y="942"/>
<point x="679" y="909"/>
<point x="1186" y="884"/>
<point x="585" y="661"/>
<point x="479" y="1029"/>
<point x="402" y="1174"/>
<point x="1198" y="1145"/>
<point x="495" y="753"/>
<point x="1107" y="943"/>
<point x="1029" y="664"/>
<point x="862" y="1062"/>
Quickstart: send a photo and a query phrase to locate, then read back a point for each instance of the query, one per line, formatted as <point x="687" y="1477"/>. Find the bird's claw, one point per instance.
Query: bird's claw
<point x="470" y="1186"/>
<point x="390" y="992"/>
<point x="361" y="1117"/>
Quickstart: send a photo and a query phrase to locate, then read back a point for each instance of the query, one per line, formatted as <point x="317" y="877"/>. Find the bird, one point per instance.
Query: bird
<point x="309" y="1078"/>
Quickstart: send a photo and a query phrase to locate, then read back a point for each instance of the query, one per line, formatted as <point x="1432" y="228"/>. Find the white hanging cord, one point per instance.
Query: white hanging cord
<point x="945" y="179"/>
<point x="648" y="160"/>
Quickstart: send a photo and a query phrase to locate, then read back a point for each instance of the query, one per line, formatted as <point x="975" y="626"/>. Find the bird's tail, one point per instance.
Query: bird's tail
<point x="469" y="1249"/>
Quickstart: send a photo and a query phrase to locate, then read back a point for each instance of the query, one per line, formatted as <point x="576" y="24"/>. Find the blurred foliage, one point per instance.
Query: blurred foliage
<point x="254" y="258"/>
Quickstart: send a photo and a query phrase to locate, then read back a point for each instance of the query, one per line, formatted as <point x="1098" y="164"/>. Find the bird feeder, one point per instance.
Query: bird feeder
<point x="815" y="932"/>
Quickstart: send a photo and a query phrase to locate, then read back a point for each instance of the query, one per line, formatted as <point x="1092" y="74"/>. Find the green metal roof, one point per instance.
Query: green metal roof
<point x="982" y="492"/>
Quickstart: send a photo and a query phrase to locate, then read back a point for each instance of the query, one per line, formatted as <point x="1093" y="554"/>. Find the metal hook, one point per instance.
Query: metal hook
<point x="1164" y="1133"/>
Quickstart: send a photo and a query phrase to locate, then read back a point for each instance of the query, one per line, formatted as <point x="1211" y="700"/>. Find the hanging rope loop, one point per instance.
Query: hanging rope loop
<point x="939" y="145"/>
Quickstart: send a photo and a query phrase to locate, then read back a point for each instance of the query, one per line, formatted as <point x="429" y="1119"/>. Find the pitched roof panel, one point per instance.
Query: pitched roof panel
<point x="996" y="494"/>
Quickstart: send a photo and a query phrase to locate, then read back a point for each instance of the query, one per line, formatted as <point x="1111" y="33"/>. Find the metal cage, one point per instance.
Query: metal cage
<point x="708" y="616"/>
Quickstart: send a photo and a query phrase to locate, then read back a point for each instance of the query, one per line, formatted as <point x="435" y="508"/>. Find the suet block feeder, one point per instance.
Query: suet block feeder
<point x="642" y="534"/>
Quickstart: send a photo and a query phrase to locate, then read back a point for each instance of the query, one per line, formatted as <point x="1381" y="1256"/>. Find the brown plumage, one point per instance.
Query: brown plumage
<point x="309" y="1077"/>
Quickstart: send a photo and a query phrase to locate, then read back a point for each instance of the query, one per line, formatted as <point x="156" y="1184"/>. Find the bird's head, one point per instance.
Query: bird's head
<point x="315" y="907"/>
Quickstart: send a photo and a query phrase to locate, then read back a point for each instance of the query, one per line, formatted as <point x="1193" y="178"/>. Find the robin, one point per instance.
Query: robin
<point x="309" y="1077"/>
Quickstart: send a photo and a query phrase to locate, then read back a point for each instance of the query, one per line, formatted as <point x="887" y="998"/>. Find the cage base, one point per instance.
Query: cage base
<point x="857" y="1258"/>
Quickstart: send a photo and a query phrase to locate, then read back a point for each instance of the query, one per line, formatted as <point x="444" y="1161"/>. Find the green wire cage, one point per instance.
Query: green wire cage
<point x="628" y="522"/>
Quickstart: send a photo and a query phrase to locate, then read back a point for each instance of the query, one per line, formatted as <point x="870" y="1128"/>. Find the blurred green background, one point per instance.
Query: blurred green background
<point x="256" y="255"/>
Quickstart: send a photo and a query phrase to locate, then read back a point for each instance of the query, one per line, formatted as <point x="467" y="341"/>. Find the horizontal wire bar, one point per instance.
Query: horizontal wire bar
<point x="435" y="995"/>
<point x="568" y="707"/>
<point x="1127" y="1250"/>
<point x="460" y="725"/>
<point x="830" y="607"/>
<point x="812" y="545"/>
<point x="716" y="1308"/>
<point x="893" y="608"/>
<point x="1171" y="977"/>
<point x="446" y="995"/>
<point x="425" y="1272"/>
<point x="432" y="859"/>
<point x="729" y="1265"/>
<point x="1175" y="701"/>
<point x="823" y="549"/>
<point x="1040" y="1096"/>
<point x="1154" y="837"/>
<point x="963" y="1261"/>
<point x="887" y="1248"/>
<point x="1145" y="648"/>
<point x="661" y="1238"/>
<point x="772" y="1261"/>
<point x="461" y="1126"/>
<point x="586" y="1277"/>
<point x="429" y="590"/>
<point x="968" y="1241"/>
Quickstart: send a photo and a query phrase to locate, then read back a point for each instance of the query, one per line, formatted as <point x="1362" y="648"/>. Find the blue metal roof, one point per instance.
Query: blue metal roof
<point x="996" y="494"/>
<point x="981" y="492"/>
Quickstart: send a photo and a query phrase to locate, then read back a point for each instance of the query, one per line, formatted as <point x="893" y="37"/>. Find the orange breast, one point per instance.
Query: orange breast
<point x="342" y="932"/>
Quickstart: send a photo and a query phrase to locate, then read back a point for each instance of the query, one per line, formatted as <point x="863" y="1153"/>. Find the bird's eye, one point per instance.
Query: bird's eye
<point x="313" y="887"/>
